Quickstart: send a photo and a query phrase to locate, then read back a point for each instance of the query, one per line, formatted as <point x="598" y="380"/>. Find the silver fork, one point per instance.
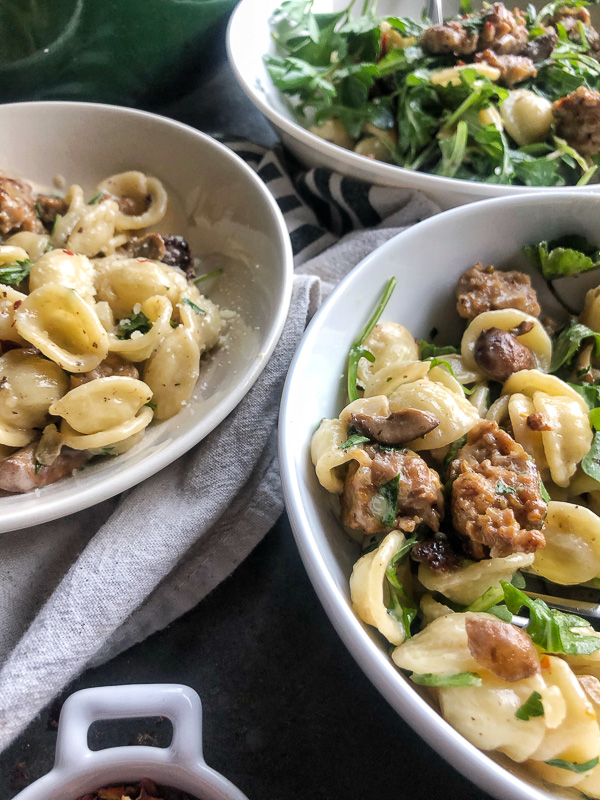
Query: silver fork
<point x="579" y="600"/>
<point x="434" y="11"/>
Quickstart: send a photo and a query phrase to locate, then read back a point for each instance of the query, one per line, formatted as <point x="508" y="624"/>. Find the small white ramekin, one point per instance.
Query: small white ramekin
<point x="78" y="770"/>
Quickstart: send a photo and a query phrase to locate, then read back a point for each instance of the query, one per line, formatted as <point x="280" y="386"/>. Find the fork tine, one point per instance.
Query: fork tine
<point x="581" y="608"/>
<point x="434" y="11"/>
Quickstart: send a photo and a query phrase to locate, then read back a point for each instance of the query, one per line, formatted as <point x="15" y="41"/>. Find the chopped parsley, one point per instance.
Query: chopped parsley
<point x="457" y="679"/>
<point x="212" y="274"/>
<point x="15" y="274"/>
<point x="193" y="306"/>
<point x="572" y="766"/>
<point x="137" y="322"/>
<point x="504" y="488"/>
<point x="389" y="491"/>
<point x="532" y="707"/>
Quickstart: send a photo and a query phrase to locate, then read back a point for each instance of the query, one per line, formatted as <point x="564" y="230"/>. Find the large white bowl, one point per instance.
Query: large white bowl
<point x="227" y="215"/>
<point x="248" y="39"/>
<point x="426" y="261"/>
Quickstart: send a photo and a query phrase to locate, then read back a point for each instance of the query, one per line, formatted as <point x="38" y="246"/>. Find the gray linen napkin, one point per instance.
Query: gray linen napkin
<point x="77" y="591"/>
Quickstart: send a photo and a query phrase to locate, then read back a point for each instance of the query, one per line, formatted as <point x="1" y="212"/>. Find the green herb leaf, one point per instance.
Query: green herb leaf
<point x="453" y="452"/>
<point x="57" y="219"/>
<point x="14" y="274"/>
<point x="565" y="257"/>
<point x="400" y="606"/>
<point x="487" y="600"/>
<point x="504" y="488"/>
<point x="96" y="198"/>
<point x="357" y="351"/>
<point x="389" y="491"/>
<point x="590" y="463"/>
<point x="354" y="438"/>
<point x="590" y="393"/>
<point x="38" y="466"/>
<point x="207" y="275"/>
<point x="568" y="342"/>
<point x="151" y="405"/>
<point x="532" y="707"/>
<point x="548" y="628"/>
<point x="544" y="492"/>
<point x="572" y="766"/>
<point x="502" y="612"/>
<point x="137" y="322"/>
<point x="193" y="306"/>
<point x="430" y="350"/>
<point x="458" y="679"/>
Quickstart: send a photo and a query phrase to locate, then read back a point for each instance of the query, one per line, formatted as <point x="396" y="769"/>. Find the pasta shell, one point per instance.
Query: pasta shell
<point x="59" y="322"/>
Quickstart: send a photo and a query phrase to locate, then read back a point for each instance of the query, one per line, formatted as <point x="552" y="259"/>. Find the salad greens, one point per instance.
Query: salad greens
<point x="15" y="274"/>
<point x="371" y="76"/>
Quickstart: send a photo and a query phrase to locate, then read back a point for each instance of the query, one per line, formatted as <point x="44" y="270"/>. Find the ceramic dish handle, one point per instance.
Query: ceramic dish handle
<point x="178" y="703"/>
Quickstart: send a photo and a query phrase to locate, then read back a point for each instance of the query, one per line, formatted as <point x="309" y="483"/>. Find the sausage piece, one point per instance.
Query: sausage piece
<point x="578" y="119"/>
<point x="497" y="505"/>
<point x="513" y="69"/>
<point x="17" y="207"/>
<point x="483" y="288"/>
<point x="419" y="499"/>
<point x="18" y="471"/>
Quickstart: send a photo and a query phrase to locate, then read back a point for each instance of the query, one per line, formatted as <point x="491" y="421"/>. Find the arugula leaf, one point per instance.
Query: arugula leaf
<point x="502" y="612"/>
<point x="453" y="151"/>
<point x="453" y="452"/>
<point x="401" y="606"/>
<point x="590" y="393"/>
<point x="568" y="342"/>
<point x="137" y="322"/>
<point x="572" y="766"/>
<point x="544" y="492"/>
<point x="439" y="362"/>
<point x="487" y="600"/>
<point x="354" y="438"/>
<point x="96" y="199"/>
<point x="403" y="551"/>
<point x="389" y="491"/>
<point x="212" y="274"/>
<point x="151" y="405"/>
<point x="564" y="257"/>
<point x="194" y="307"/>
<point x="504" y="488"/>
<point x="532" y="707"/>
<point x="14" y="274"/>
<point x="357" y="351"/>
<point x="458" y="679"/>
<point x="590" y="463"/>
<point x="430" y="350"/>
<point x="548" y="628"/>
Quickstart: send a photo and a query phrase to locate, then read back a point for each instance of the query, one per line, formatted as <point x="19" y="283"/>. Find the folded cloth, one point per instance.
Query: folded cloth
<point x="77" y="591"/>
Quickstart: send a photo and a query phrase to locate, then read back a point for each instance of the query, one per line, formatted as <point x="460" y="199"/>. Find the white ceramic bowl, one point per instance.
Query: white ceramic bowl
<point x="248" y="39"/>
<point x="78" y="770"/>
<point x="426" y="260"/>
<point x="227" y="215"/>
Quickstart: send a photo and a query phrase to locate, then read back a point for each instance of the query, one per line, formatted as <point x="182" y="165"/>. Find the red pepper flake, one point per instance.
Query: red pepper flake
<point x="143" y="259"/>
<point x="545" y="662"/>
<point x="68" y="253"/>
<point x="17" y="304"/>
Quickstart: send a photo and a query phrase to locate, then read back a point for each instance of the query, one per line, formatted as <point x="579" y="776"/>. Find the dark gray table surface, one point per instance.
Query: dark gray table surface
<point x="288" y="715"/>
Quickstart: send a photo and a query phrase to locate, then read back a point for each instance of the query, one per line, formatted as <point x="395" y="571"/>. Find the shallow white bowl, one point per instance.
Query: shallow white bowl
<point x="79" y="770"/>
<point x="248" y="39"/>
<point x="229" y="218"/>
<point x="426" y="260"/>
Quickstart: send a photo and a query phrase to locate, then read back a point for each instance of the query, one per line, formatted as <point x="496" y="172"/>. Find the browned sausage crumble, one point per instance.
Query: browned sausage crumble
<point x="497" y="504"/>
<point x="17" y="207"/>
<point x="513" y="69"/>
<point x="420" y="498"/>
<point x="578" y="119"/>
<point x="501" y="30"/>
<point x="483" y="288"/>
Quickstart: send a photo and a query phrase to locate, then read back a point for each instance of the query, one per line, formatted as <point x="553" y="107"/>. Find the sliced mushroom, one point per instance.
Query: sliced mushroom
<point x="499" y="354"/>
<point x="397" y="428"/>
<point x="20" y="473"/>
<point x="502" y="648"/>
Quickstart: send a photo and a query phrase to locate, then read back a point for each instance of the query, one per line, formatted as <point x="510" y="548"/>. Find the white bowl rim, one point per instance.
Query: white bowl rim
<point x="390" y="173"/>
<point x="473" y="763"/>
<point x="55" y="508"/>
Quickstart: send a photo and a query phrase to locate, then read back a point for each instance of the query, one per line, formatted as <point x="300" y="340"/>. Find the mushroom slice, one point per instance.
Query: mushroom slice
<point x="398" y="427"/>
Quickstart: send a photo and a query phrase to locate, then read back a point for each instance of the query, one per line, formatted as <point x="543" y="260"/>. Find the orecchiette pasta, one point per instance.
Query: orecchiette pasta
<point x="84" y="313"/>
<point x="66" y="329"/>
<point x="327" y="454"/>
<point x="390" y="343"/>
<point x="572" y="551"/>
<point x="368" y="588"/>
